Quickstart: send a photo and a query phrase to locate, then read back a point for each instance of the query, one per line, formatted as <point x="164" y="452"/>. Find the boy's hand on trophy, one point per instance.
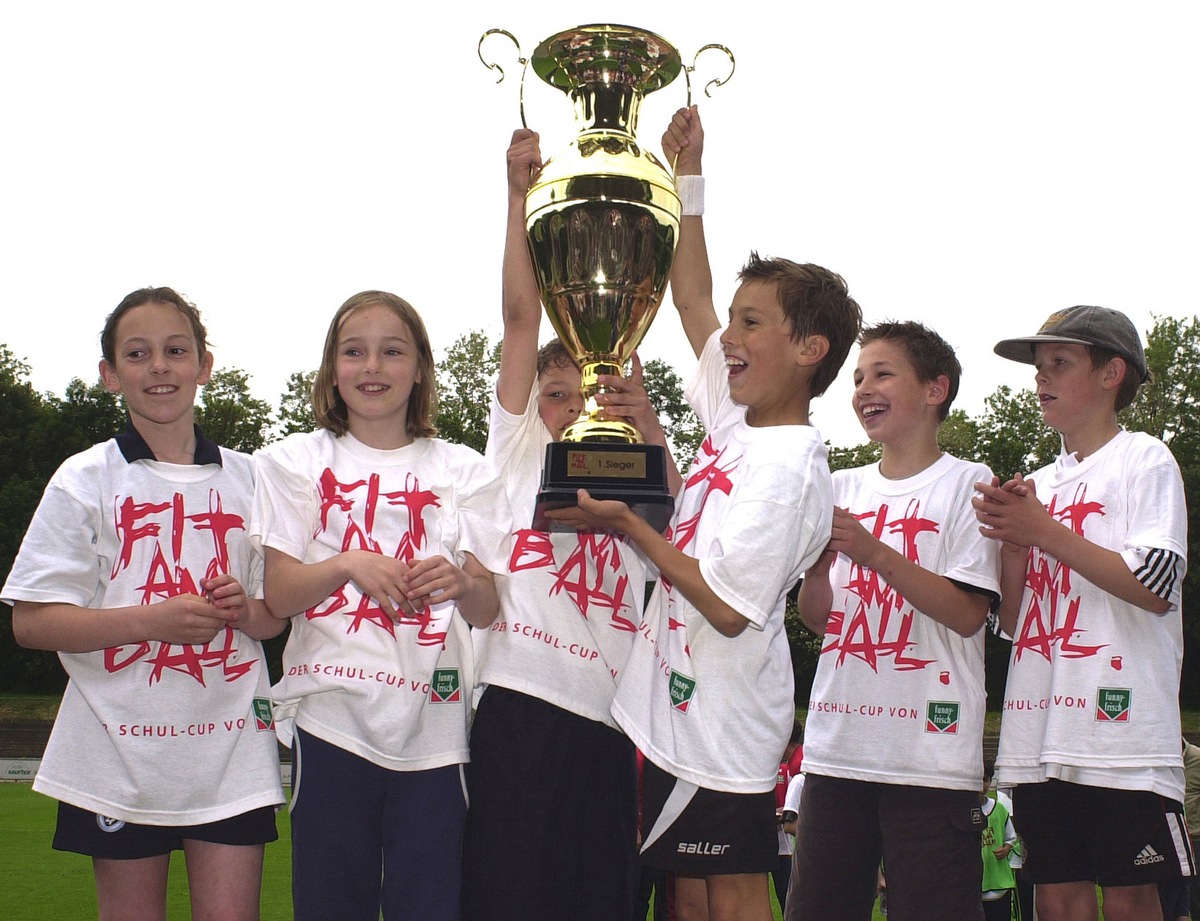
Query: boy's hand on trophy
<point x="626" y="397"/>
<point x="594" y="514"/>
<point x="524" y="157"/>
<point x="683" y="142"/>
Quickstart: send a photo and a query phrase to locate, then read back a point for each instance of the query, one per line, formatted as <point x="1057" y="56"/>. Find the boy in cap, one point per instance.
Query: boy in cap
<point x="1093" y="559"/>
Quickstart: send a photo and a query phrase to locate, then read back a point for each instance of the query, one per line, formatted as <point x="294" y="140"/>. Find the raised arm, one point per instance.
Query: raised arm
<point x="522" y="304"/>
<point x="691" y="277"/>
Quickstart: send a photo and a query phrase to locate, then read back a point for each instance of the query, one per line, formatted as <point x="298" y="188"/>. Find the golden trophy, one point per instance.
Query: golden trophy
<point x="602" y="221"/>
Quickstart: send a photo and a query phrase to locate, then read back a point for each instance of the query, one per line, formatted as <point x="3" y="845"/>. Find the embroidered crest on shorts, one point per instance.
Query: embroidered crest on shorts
<point x="444" y="687"/>
<point x="264" y="719"/>
<point x="1112" y="705"/>
<point x="683" y="689"/>
<point x="941" y="716"/>
<point x="109" y="824"/>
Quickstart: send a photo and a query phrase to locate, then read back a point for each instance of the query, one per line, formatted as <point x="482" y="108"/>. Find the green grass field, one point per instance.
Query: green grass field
<point x="39" y="883"/>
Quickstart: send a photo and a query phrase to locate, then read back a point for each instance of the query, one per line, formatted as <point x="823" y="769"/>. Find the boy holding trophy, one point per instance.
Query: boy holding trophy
<point x="707" y="693"/>
<point x="546" y="755"/>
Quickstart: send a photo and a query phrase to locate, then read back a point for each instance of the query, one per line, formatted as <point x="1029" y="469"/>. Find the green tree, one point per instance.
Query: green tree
<point x="229" y="415"/>
<point x="87" y="415"/>
<point x="25" y="467"/>
<point x="465" y="377"/>
<point x="1168" y="407"/>
<point x="295" y="405"/>
<point x="1011" y="436"/>
<point x="858" y="456"/>
<point x="683" y="430"/>
<point x="958" y="434"/>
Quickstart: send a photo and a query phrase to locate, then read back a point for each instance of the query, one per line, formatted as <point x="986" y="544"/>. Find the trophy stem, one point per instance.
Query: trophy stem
<point x="606" y="107"/>
<point x="591" y="426"/>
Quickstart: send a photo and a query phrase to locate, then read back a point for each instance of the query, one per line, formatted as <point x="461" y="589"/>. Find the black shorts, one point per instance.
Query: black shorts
<point x="98" y="836"/>
<point x="698" y="832"/>
<point x="551" y="831"/>
<point x="1076" y="833"/>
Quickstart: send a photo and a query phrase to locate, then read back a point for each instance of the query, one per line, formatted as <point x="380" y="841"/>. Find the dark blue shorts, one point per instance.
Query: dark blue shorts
<point x="366" y="839"/>
<point x="98" y="836"/>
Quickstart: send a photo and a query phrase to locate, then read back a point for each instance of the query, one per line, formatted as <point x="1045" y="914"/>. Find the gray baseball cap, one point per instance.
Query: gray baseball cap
<point x="1098" y="326"/>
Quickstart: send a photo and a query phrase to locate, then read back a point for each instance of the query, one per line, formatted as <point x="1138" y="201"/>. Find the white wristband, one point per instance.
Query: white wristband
<point x="691" y="194"/>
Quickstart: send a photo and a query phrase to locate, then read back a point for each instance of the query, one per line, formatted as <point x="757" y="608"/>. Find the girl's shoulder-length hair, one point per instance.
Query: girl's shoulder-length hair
<point x="329" y="409"/>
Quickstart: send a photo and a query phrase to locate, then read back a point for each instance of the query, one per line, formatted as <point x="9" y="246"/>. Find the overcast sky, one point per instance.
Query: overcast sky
<point x="974" y="166"/>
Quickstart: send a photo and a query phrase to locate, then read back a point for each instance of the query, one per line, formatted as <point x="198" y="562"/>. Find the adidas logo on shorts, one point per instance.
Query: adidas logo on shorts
<point x="1147" y="856"/>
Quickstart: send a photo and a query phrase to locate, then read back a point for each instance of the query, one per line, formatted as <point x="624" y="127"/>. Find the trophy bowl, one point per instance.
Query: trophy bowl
<point x="602" y="216"/>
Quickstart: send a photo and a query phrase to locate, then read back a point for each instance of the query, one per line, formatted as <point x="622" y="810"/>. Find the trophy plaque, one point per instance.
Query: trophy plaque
<point x="602" y="221"/>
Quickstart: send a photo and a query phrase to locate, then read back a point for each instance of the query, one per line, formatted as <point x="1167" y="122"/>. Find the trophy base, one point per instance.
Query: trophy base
<point x="633" y="474"/>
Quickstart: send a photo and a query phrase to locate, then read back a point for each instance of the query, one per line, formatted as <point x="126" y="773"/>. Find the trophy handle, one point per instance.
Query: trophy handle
<point x="719" y="81"/>
<point x="523" y="61"/>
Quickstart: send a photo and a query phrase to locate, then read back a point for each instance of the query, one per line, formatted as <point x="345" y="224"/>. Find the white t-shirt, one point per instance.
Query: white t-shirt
<point x="570" y="603"/>
<point x="1093" y="681"/>
<point x="791" y="803"/>
<point x="755" y="510"/>
<point x="899" y="698"/>
<point x="397" y="695"/>
<point x="152" y="733"/>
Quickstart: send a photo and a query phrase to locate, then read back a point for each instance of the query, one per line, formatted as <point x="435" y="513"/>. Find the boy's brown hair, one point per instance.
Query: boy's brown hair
<point x="1128" y="390"/>
<point x="816" y="302"/>
<point x="554" y="354"/>
<point x="108" y="335"/>
<point x="329" y="409"/>
<point x="929" y="354"/>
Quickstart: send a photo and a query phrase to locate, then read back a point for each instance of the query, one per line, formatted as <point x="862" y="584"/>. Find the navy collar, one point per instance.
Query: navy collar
<point x="134" y="448"/>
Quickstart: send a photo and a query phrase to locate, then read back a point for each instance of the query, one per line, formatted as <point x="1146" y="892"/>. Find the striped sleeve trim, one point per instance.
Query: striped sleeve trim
<point x="1159" y="572"/>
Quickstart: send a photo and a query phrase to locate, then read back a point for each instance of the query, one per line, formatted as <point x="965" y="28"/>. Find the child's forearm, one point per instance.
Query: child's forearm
<point x="58" y="627"/>
<point x="290" y="586"/>
<point x="684" y="573"/>
<point x="480" y="603"/>
<point x="933" y="595"/>
<point x="691" y="277"/>
<point x="70" y="628"/>
<point x="1013" y="563"/>
<point x="1106" y="569"/>
<point x="691" y="284"/>
<point x="651" y="429"/>
<point x="260" y="623"/>
<point x="521" y="302"/>
<point x="815" y="600"/>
